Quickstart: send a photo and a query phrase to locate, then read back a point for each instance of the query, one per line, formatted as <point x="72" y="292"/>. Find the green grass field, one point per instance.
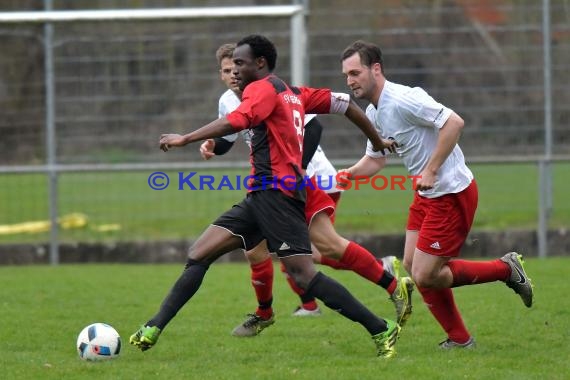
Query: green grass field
<point x="43" y="309"/>
<point x="508" y="198"/>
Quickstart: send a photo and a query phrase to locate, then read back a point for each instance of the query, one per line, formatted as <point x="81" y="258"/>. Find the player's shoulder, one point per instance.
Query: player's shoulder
<point x="228" y="96"/>
<point x="263" y="85"/>
<point x="401" y="91"/>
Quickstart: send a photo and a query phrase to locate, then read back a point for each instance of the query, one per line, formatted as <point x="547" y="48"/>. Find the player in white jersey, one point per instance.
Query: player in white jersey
<point x="329" y="248"/>
<point x="444" y="204"/>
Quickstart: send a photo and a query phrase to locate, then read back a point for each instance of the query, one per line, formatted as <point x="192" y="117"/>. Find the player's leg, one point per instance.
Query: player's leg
<point x="309" y="306"/>
<point x="384" y="332"/>
<point x="440" y="302"/>
<point x="230" y="231"/>
<point x="262" y="281"/>
<point x="213" y="242"/>
<point x="452" y="220"/>
<point x="289" y="238"/>
<point x="361" y="261"/>
<point x="319" y="213"/>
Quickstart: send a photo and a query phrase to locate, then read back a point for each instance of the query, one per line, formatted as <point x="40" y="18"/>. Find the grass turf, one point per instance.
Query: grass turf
<point x="43" y="309"/>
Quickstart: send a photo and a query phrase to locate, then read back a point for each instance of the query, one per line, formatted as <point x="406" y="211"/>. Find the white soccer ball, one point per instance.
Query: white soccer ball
<point x="98" y="341"/>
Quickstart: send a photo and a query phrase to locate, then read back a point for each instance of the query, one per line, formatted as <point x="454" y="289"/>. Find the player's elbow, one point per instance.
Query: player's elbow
<point x="457" y="122"/>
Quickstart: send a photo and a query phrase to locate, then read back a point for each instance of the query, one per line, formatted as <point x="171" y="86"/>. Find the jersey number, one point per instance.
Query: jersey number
<point x="298" y="123"/>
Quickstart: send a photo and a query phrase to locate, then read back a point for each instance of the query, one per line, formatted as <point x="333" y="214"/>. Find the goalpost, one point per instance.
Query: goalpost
<point x="295" y="12"/>
<point x="52" y="168"/>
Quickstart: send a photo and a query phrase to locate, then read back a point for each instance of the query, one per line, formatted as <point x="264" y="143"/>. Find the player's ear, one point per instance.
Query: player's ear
<point x="260" y="62"/>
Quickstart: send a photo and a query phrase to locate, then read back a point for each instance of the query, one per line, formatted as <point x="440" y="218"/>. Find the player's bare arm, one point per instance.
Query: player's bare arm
<point x="355" y="114"/>
<point x="217" y="128"/>
<point x="366" y="167"/>
<point x="448" y="137"/>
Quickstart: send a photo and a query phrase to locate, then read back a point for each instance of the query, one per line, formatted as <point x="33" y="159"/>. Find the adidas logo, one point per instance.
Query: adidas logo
<point x="435" y="245"/>
<point x="284" y="247"/>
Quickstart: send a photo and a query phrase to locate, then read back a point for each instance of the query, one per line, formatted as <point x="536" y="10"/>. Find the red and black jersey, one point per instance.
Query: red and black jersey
<point x="275" y="113"/>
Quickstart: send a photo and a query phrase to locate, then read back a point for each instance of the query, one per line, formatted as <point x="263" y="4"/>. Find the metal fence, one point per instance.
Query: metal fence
<point x="118" y="85"/>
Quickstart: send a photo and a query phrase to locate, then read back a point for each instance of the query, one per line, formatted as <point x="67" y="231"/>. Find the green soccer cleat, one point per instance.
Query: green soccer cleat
<point x="448" y="344"/>
<point x="253" y="325"/>
<point x="145" y="337"/>
<point x="519" y="281"/>
<point x="402" y="299"/>
<point x="391" y="265"/>
<point x="385" y="341"/>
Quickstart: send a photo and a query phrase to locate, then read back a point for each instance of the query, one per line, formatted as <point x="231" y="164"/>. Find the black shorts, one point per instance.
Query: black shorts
<point x="270" y="215"/>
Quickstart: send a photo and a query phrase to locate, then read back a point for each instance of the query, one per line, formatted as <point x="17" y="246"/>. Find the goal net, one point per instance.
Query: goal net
<point x="122" y="77"/>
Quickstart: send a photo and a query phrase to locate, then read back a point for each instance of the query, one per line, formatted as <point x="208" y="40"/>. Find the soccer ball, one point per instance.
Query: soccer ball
<point x="98" y="341"/>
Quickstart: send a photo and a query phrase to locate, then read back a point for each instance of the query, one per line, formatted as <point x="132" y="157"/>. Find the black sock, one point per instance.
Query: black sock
<point x="338" y="298"/>
<point x="385" y="280"/>
<point x="185" y="287"/>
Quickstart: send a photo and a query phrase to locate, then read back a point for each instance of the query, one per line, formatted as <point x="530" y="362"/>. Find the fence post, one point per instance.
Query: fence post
<point x="544" y="166"/>
<point x="298" y="49"/>
<point x="50" y="139"/>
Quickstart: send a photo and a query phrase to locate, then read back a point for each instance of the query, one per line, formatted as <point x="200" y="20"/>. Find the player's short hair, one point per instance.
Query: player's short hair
<point x="369" y="53"/>
<point x="261" y="47"/>
<point x="225" y="51"/>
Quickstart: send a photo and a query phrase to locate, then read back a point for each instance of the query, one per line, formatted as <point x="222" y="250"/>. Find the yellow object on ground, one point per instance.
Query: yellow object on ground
<point x="66" y="222"/>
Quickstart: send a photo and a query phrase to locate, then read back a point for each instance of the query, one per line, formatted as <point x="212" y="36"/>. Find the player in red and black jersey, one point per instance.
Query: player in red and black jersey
<point x="274" y="207"/>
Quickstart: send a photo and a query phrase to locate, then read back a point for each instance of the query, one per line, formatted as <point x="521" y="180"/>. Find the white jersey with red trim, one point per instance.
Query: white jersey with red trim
<point x="413" y="119"/>
<point x="323" y="169"/>
<point x="319" y="165"/>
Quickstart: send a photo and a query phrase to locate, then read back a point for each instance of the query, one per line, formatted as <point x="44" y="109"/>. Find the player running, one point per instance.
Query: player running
<point x="442" y="212"/>
<point x="275" y="112"/>
<point x="338" y="252"/>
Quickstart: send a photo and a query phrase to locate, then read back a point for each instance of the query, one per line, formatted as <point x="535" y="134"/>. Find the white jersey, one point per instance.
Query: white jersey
<point x="319" y="165"/>
<point x="413" y="119"/>
<point x="228" y="102"/>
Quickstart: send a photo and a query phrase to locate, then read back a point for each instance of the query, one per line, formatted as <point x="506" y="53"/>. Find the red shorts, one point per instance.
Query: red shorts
<point x="444" y="222"/>
<point x="318" y="200"/>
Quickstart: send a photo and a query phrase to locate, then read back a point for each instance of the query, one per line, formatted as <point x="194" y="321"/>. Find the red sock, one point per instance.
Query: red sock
<point x="361" y="261"/>
<point x="262" y="281"/>
<point x="335" y="264"/>
<point x="476" y="272"/>
<point x="308" y="302"/>
<point x="441" y="304"/>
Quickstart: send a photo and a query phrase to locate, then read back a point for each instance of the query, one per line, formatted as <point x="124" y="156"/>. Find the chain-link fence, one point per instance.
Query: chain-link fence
<point x="118" y="85"/>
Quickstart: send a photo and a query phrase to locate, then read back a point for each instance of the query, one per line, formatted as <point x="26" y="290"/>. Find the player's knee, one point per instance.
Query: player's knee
<point x="301" y="280"/>
<point x="190" y="262"/>
<point x="332" y="248"/>
<point x="301" y="275"/>
<point x="256" y="256"/>
<point x="423" y="279"/>
<point x="198" y="256"/>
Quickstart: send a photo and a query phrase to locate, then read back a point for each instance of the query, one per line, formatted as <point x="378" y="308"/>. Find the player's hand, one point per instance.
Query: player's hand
<point x="426" y="180"/>
<point x="385" y="144"/>
<point x="169" y="140"/>
<point x="207" y="149"/>
<point x="343" y="178"/>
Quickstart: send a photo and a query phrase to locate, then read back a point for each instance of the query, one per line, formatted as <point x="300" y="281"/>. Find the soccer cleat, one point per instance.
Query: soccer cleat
<point x="386" y="341"/>
<point x="519" y="281"/>
<point x="448" y="344"/>
<point x="402" y="298"/>
<point x="391" y="265"/>
<point x="253" y="325"/>
<point x="145" y="337"/>
<point x="300" y="311"/>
